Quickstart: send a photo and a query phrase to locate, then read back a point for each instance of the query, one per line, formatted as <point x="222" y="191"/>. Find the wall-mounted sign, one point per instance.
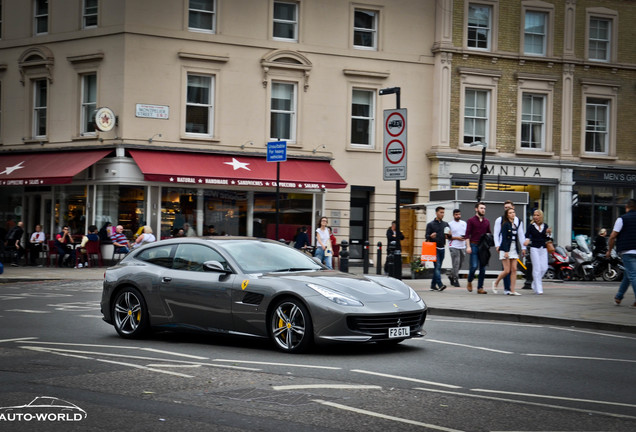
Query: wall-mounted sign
<point x="104" y="119"/>
<point x="152" y="111"/>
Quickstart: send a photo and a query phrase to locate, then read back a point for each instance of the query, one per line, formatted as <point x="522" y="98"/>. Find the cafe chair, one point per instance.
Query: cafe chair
<point x="94" y="252"/>
<point x="119" y="255"/>
<point x="51" y="253"/>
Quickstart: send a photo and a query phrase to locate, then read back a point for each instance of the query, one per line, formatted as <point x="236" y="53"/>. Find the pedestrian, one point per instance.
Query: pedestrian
<point x="14" y="243"/>
<point x="335" y="247"/>
<point x="538" y="233"/>
<point x="36" y="244"/>
<point x="65" y="248"/>
<point x="324" y="251"/>
<point x="392" y="236"/>
<point x="302" y="239"/>
<point x="438" y="231"/>
<point x="476" y="228"/>
<point x="497" y="237"/>
<point x="509" y="251"/>
<point x="600" y="243"/>
<point x="457" y="245"/>
<point x="624" y="237"/>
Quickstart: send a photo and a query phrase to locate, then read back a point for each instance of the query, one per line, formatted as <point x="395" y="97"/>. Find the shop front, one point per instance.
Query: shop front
<point x="233" y="194"/>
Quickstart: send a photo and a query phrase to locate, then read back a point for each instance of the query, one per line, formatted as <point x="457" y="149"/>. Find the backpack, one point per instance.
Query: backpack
<point x="12" y="234"/>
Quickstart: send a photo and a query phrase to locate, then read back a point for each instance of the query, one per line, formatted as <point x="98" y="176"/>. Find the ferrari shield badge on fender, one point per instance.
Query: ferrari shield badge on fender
<point x="244" y="284"/>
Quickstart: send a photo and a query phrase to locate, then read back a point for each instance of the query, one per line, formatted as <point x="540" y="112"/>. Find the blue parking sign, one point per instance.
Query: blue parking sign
<point x="277" y="151"/>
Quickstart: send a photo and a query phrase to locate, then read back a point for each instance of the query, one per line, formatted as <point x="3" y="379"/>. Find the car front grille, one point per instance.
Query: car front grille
<point x="378" y="325"/>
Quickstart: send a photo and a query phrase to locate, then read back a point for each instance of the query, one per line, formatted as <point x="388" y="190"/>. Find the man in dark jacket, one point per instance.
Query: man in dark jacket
<point x="438" y="231"/>
<point x="14" y="243"/>
<point x="624" y="236"/>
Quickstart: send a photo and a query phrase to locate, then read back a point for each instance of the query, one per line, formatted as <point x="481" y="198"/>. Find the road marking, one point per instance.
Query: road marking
<point x="80" y="344"/>
<point x="580" y="357"/>
<point x="93" y="353"/>
<point x="27" y="311"/>
<point x="523" y="402"/>
<point x="145" y="368"/>
<point x="17" y="339"/>
<point x="327" y="386"/>
<point x="592" y="332"/>
<point x="469" y="346"/>
<point x="555" y="397"/>
<point x="173" y="365"/>
<point x="277" y="364"/>
<point x="406" y="378"/>
<point x="384" y="416"/>
<point x="175" y="353"/>
<point x="483" y="322"/>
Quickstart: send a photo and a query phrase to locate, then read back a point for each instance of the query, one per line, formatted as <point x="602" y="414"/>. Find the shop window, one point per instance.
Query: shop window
<point x="178" y="207"/>
<point x="121" y="205"/>
<point x="226" y="211"/>
<point x="70" y="209"/>
<point x="285" y="26"/>
<point x="295" y="210"/>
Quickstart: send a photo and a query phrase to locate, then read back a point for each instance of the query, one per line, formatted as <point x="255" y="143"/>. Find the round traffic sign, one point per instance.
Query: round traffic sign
<point x="395" y="124"/>
<point x="395" y="152"/>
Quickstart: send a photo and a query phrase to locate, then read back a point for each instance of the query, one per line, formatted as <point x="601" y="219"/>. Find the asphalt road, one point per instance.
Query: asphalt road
<point x="465" y="375"/>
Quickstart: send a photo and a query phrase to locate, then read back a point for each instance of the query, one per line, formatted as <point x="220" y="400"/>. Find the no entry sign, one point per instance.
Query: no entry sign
<point x="394" y="160"/>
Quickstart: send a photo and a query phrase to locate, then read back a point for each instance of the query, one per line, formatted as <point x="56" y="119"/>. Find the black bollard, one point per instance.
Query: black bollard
<point x="389" y="258"/>
<point x="365" y="257"/>
<point x="397" y="264"/>
<point x="344" y="256"/>
<point x="379" y="259"/>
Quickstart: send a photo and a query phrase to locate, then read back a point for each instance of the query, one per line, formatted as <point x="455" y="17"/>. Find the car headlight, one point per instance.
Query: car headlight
<point x="335" y="296"/>
<point x="414" y="296"/>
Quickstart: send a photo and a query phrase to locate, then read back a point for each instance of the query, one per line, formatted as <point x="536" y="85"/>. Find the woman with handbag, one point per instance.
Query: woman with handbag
<point x="509" y="251"/>
<point x="537" y="237"/>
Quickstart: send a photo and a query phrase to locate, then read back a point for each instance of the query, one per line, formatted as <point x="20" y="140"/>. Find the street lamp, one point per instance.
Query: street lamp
<point x="482" y="167"/>
<point x="397" y="267"/>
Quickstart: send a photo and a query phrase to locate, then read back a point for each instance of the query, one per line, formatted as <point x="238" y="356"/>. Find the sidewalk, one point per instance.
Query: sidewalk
<point x="581" y="304"/>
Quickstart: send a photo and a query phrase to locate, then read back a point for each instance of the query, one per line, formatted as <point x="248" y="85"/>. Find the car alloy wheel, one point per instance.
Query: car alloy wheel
<point x="290" y="326"/>
<point x="130" y="313"/>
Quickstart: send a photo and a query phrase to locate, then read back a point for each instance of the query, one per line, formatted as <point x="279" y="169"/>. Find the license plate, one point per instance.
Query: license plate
<point x="399" y="332"/>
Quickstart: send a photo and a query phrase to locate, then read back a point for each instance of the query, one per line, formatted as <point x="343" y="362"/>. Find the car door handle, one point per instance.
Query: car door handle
<point x="166" y="279"/>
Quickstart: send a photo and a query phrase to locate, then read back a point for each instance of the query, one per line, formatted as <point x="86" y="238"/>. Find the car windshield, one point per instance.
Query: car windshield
<point x="265" y="257"/>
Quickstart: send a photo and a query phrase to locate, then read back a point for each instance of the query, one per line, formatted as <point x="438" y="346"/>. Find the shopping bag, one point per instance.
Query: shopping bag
<point x="429" y="252"/>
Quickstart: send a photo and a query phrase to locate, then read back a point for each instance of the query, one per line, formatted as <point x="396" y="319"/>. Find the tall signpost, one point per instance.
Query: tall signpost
<point x="277" y="152"/>
<point x="394" y="160"/>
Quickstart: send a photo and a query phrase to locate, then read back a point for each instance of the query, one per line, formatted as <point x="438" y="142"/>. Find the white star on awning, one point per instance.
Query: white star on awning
<point x="236" y="164"/>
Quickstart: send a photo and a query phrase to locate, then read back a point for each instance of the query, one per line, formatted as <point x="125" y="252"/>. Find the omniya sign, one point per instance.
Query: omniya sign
<point x="508" y="170"/>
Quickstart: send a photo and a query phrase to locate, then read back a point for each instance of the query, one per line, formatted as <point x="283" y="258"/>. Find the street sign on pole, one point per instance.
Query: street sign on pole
<point x="394" y="160"/>
<point x="277" y="151"/>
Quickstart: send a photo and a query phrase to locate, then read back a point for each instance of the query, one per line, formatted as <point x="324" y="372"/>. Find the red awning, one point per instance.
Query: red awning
<point x="235" y="170"/>
<point x="33" y="169"/>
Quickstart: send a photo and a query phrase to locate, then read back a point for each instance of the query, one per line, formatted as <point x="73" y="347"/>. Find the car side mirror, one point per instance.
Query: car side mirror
<point x="215" y="266"/>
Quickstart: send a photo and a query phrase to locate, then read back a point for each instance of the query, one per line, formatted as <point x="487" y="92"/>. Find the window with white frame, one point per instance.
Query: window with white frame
<point x="40" y="89"/>
<point x="476" y="109"/>
<point x="283" y="111"/>
<point x="535" y="33"/>
<point x="202" y="15"/>
<point x="88" y="104"/>
<point x="479" y="26"/>
<point x="597" y="121"/>
<point x="365" y="29"/>
<point x="199" y="117"/>
<point x="285" y="21"/>
<point x="89" y="13"/>
<point x="599" y="43"/>
<point x="41" y="16"/>
<point x="362" y="117"/>
<point x="533" y="121"/>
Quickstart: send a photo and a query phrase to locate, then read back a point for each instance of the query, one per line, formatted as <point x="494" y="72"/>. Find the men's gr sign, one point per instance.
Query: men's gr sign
<point x="394" y="160"/>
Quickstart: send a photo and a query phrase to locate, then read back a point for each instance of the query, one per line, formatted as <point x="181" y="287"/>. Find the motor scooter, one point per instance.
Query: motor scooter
<point x="559" y="265"/>
<point x="610" y="269"/>
<point x="582" y="257"/>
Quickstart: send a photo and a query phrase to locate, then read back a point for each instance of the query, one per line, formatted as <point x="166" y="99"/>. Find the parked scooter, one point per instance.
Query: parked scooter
<point x="582" y="257"/>
<point x="610" y="269"/>
<point x="559" y="265"/>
